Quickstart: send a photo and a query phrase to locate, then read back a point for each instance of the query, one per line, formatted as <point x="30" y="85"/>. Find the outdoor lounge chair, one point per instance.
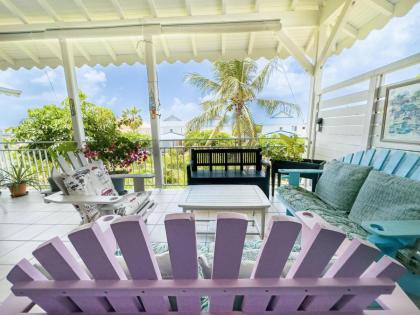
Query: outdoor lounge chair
<point x="349" y="285"/>
<point x="88" y="186"/>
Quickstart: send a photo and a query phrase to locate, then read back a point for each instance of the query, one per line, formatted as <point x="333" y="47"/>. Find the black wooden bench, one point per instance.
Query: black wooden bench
<point x="228" y="167"/>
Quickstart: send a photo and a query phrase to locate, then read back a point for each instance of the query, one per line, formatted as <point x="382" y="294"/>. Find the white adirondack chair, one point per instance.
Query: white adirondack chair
<point x="349" y="285"/>
<point x="104" y="204"/>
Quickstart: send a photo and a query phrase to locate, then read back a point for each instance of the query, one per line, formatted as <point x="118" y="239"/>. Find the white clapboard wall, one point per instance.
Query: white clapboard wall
<point x="352" y="113"/>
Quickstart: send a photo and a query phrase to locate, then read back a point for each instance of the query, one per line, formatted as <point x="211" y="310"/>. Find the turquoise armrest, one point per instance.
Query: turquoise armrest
<point x="294" y="174"/>
<point x="398" y="229"/>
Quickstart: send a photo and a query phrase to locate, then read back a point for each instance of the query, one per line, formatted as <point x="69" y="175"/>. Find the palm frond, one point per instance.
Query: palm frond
<point x="206" y="85"/>
<point x="272" y="107"/>
<point x="206" y="117"/>
<point x="262" y="78"/>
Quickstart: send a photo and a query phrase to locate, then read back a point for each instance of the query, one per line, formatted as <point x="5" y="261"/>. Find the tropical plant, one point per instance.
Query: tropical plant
<point x="19" y="174"/>
<point x="118" y="154"/>
<point x="235" y="86"/>
<point x="131" y="118"/>
<point x="282" y="147"/>
<point x="206" y="137"/>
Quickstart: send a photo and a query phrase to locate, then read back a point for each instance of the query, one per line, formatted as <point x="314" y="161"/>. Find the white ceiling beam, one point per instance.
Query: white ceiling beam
<point x="194" y="45"/>
<point x="382" y="6"/>
<point x="293" y="4"/>
<point x="279" y="47"/>
<point x="152" y="8"/>
<point x="15" y="10"/>
<point x="330" y="10"/>
<point x="109" y="50"/>
<point x="54" y="49"/>
<point x="310" y="42"/>
<point x="257" y="5"/>
<point x="28" y="52"/>
<point x="164" y="46"/>
<point x="137" y="48"/>
<point x="188" y="7"/>
<point x="79" y="47"/>
<point x="6" y="57"/>
<point x="350" y="30"/>
<point x="340" y="22"/>
<point x="251" y="42"/>
<point x="223" y="44"/>
<point x="295" y="51"/>
<point x="117" y="6"/>
<point x="83" y="9"/>
<point x="51" y="12"/>
<point x="224" y="7"/>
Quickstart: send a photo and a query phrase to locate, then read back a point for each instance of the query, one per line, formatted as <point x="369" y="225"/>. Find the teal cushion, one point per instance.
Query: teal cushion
<point x="387" y="197"/>
<point x="340" y="183"/>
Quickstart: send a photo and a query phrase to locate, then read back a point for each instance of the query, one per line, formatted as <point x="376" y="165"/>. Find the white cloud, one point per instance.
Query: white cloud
<point x="92" y="81"/>
<point x="183" y="110"/>
<point x="48" y="77"/>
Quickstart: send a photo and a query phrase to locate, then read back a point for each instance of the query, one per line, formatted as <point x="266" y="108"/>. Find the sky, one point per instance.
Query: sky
<point x="119" y="87"/>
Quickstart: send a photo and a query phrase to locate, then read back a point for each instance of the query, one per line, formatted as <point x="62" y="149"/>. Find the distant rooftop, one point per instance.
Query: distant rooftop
<point x="172" y="118"/>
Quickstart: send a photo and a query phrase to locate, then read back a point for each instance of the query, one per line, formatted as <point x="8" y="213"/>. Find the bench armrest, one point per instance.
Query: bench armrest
<point x="393" y="229"/>
<point x="294" y="174"/>
<point x="59" y="197"/>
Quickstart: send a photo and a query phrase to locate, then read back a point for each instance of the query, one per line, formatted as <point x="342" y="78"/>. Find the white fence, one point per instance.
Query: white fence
<point x="352" y="112"/>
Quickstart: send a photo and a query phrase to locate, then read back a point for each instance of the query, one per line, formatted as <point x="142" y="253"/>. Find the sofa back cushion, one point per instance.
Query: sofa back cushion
<point x="340" y="183"/>
<point x="386" y="197"/>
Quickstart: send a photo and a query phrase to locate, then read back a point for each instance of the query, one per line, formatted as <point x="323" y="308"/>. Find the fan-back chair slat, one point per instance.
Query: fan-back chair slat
<point x="64" y="165"/>
<point x="133" y="240"/>
<point x="230" y="237"/>
<point x="82" y="159"/>
<point x="367" y="157"/>
<point x="393" y="162"/>
<point x="181" y="235"/>
<point x="74" y="160"/>
<point x="358" y="256"/>
<point x="275" y="250"/>
<point x="386" y="267"/>
<point x="57" y="260"/>
<point x="407" y="165"/>
<point x="25" y="271"/>
<point x="311" y="262"/>
<point x="91" y="245"/>
<point x="357" y="157"/>
<point x="379" y="159"/>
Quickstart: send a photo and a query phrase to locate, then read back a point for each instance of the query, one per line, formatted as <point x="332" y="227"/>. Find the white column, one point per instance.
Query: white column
<point x="150" y="57"/>
<point x="72" y="92"/>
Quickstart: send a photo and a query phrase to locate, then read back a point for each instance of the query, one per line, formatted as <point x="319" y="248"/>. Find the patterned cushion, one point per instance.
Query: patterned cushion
<point x="340" y="183"/>
<point x="300" y="199"/>
<point x="387" y="197"/>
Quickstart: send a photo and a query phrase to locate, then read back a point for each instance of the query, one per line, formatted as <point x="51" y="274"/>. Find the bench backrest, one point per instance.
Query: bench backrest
<point x="226" y="158"/>
<point x="394" y="162"/>
<point x="352" y="282"/>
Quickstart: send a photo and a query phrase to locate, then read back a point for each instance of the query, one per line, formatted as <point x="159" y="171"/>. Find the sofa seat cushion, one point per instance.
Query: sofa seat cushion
<point x="214" y="174"/>
<point x="340" y="183"/>
<point x="387" y="197"/>
<point x="300" y="199"/>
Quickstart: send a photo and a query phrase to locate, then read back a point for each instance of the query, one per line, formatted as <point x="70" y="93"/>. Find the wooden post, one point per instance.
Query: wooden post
<point x="73" y="92"/>
<point x="150" y="57"/>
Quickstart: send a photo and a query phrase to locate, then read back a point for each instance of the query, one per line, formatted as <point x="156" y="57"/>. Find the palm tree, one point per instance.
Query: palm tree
<point x="131" y="118"/>
<point x="235" y="87"/>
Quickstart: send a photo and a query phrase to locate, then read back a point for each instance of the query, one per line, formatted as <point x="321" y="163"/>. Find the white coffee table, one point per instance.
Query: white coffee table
<point x="226" y="198"/>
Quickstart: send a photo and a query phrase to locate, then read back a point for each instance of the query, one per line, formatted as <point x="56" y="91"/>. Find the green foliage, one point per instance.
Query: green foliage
<point x="201" y="139"/>
<point x="19" y="174"/>
<point x="282" y="147"/>
<point x="235" y="86"/>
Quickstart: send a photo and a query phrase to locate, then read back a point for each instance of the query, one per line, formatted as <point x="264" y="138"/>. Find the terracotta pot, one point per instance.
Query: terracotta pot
<point x="18" y="190"/>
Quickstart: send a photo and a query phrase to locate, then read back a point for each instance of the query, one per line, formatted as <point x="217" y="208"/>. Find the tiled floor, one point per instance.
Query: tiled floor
<point x="26" y="222"/>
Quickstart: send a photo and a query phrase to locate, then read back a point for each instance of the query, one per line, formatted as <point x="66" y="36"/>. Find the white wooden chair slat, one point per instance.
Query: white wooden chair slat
<point x="133" y="240"/>
<point x="91" y="245"/>
<point x="367" y="157"/>
<point x="393" y="162"/>
<point x="351" y="264"/>
<point x="181" y="236"/>
<point x="64" y="165"/>
<point x="311" y="262"/>
<point x="386" y="267"/>
<point x="379" y="158"/>
<point x="357" y="157"/>
<point x="74" y="160"/>
<point x="407" y="165"/>
<point x="348" y="158"/>
<point x="277" y="245"/>
<point x="57" y="260"/>
<point x="230" y="237"/>
<point x="83" y="160"/>
<point x="25" y="271"/>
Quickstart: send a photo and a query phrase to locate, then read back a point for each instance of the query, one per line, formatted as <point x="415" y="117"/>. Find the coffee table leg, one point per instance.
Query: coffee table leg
<point x="262" y="226"/>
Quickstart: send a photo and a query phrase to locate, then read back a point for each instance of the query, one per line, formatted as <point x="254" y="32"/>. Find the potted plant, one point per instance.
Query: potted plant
<point x="287" y="153"/>
<point x="118" y="155"/>
<point x="17" y="178"/>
